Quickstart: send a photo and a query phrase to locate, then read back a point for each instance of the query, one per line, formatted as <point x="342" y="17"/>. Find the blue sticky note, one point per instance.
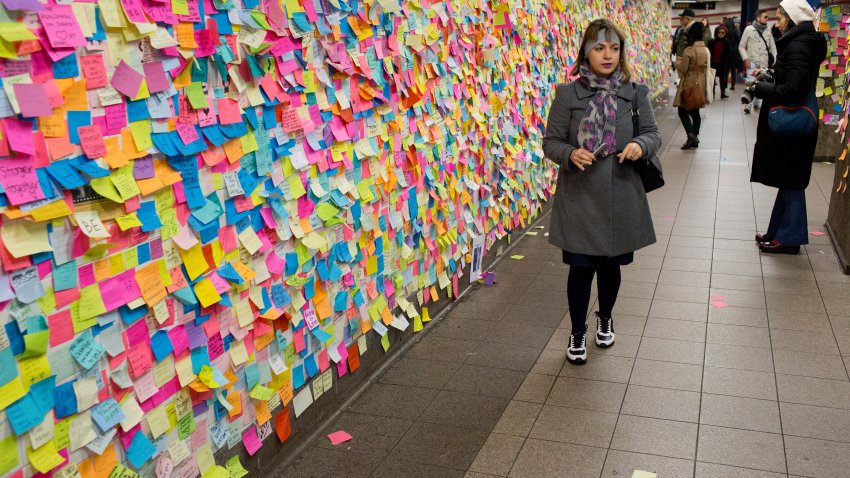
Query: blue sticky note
<point x="65" y="400"/>
<point x="107" y="414"/>
<point x="161" y="345"/>
<point x="8" y="371"/>
<point x="64" y="173"/>
<point x="24" y="414"/>
<point x="86" y="351"/>
<point x="200" y="357"/>
<point x="228" y="272"/>
<point x="341" y="301"/>
<point x="148" y="217"/>
<point x="140" y="450"/>
<point x="66" y="67"/>
<point x="321" y="335"/>
<point x="143" y="252"/>
<point x="311" y="366"/>
<point x="252" y="376"/>
<point x="75" y="120"/>
<point x="65" y="276"/>
<point x="297" y="377"/>
<point x="42" y="393"/>
<point x="279" y="295"/>
<point x="16" y="338"/>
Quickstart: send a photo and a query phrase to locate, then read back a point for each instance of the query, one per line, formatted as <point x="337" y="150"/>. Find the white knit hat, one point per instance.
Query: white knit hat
<point x="799" y="10"/>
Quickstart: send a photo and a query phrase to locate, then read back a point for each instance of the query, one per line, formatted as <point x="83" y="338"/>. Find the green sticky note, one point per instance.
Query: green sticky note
<point x="91" y="302"/>
<point x="8" y="454"/>
<point x="385" y="342"/>
<point x="326" y="211"/>
<point x="141" y="131"/>
<point x="260" y="392"/>
<point x="36" y="344"/>
<point x="235" y="468"/>
<point x="195" y="93"/>
<point x="518" y="257"/>
<point x="364" y="188"/>
<point x="296" y="187"/>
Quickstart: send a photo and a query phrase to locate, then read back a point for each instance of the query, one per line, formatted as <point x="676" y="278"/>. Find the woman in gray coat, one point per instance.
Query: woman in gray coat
<point x="600" y="215"/>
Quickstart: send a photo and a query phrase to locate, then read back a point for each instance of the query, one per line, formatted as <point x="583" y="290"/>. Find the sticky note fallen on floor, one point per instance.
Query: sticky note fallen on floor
<point x="719" y="304"/>
<point x="339" y="437"/>
<point x="817" y="233"/>
<point x="643" y="474"/>
<point x="517" y="257"/>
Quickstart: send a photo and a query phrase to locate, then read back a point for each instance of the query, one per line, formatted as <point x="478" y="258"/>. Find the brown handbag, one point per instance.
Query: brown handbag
<point x="693" y="97"/>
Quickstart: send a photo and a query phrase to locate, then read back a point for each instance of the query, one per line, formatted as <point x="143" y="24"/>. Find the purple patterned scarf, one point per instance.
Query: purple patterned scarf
<point x="600" y="118"/>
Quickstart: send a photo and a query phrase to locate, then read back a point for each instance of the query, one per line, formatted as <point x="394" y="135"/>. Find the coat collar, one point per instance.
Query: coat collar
<point x="797" y="30"/>
<point x="625" y="92"/>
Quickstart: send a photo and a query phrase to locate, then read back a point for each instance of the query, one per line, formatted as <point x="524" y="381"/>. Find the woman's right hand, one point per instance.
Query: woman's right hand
<point x="581" y="157"/>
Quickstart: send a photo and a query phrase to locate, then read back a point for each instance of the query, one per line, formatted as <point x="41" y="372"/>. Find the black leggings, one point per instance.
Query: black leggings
<point x="690" y="120"/>
<point x="579" y="284"/>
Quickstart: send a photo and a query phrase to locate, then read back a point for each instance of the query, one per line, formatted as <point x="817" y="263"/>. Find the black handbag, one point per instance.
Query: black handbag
<point x="649" y="169"/>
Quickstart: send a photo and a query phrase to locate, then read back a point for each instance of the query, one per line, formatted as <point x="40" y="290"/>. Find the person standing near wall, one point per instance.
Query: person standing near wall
<point x="721" y="57"/>
<point x="690" y="94"/>
<point x="758" y="50"/>
<point x="734" y="38"/>
<point x="600" y="214"/>
<point x="680" y="40"/>
<point x="786" y="162"/>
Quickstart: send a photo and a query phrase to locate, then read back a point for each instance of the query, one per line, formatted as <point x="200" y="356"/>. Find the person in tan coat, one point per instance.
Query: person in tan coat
<point x="691" y="67"/>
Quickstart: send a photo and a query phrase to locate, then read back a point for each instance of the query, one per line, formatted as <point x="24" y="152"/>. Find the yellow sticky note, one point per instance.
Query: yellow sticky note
<point x="91" y="302"/>
<point x="23" y="238"/>
<point x="11" y="393"/>
<point x="205" y="290"/>
<point x="44" y="458"/>
<point x="141" y="131"/>
<point x="127" y="221"/>
<point x="250" y="240"/>
<point x="194" y="260"/>
<point x="296" y="187"/>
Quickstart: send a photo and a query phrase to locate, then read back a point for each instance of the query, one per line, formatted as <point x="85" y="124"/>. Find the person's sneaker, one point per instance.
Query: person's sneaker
<point x="756" y="107"/>
<point x="747" y="109"/>
<point x="604" y="331"/>
<point x="577" y="351"/>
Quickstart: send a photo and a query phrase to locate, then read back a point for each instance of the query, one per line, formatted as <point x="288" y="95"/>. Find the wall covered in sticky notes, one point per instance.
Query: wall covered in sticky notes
<point x="209" y="204"/>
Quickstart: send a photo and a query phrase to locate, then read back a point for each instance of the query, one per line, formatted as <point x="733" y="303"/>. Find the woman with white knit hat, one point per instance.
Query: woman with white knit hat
<point x="784" y="161"/>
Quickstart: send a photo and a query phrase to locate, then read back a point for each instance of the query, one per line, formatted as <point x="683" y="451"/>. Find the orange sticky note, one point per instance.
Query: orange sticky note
<point x="150" y="283"/>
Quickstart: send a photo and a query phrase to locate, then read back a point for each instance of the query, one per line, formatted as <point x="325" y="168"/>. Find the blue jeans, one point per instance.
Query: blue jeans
<point x="788" y="223"/>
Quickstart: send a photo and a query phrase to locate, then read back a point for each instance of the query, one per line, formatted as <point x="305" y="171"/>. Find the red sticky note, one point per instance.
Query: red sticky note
<point x="339" y="437"/>
<point x="94" y="71"/>
<point x="33" y="100"/>
<point x="817" y="233"/>
<point x="91" y="139"/>
<point x="282" y="427"/>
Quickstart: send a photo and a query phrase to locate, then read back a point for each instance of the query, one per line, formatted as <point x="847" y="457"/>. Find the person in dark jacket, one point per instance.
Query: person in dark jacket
<point x="721" y="57"/>
<point x="600" y="214"/>
<point x="734" y="38"/>
<point x="786" y="162"/>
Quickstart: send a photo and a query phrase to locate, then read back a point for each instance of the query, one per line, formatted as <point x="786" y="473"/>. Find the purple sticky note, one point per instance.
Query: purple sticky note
<point x="155" y="77"/>
<point x="33" y="100"/>
<point x="489" y="278"/>
<point x="127" y="80"/>
<point x="143" y="168"/>
<point x="30" y="5"/>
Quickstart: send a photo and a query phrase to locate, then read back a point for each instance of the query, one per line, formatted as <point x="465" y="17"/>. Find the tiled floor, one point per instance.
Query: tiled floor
<point x="755" y="389"/>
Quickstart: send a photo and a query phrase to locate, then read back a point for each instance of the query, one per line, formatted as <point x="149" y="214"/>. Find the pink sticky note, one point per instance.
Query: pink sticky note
<point x="19" y="134"/>
<point x="251" y="440"/>
<point x="33" y="100"/>
<point x="134" y="11"/>
<point x="94" y="71"/>
<point x="19" y="180"/>
<point x="91" y="139"/>
<point x="228" y="111"/>
<point x="339" y="437"/>
<point x="817" y="233"/>
<point x="127" y="80"/>
<point x="155" y="77"/>
<point x="61" y="26"/>
<point x="187" y="132"/>
<point x="719" y="304"/>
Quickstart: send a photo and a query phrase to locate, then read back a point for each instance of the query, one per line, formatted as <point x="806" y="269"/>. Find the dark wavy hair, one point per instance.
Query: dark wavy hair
<point x="591" y="33"/>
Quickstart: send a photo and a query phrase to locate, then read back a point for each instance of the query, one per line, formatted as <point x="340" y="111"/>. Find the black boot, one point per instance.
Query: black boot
<point x="695" y="140"/>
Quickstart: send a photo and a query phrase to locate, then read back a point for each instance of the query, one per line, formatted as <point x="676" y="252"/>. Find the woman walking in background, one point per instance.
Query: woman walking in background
<point x="721" y="57"/>
<point x="735" y="58"/>
<point x="785" y="161"/>
<point x="600" y="214"/>
<point x="690" y="94"/>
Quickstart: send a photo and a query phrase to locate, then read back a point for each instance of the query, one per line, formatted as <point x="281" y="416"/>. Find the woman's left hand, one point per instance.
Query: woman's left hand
<point x="632" y="152"/>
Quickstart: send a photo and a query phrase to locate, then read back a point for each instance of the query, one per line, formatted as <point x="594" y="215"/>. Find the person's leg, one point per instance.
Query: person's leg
<point x="696" y="121"/>
<point x="608" y="279"/>
<point x="685" y="118"/>
<point x="776" y="215"/>
<point x="793" y="227"/>
<point x="723" y="73"/>
<point x="579" y="284"/>
<point x="608" y="283"/>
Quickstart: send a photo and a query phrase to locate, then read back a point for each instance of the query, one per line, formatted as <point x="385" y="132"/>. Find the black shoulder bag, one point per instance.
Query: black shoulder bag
<point x="649" y="169"/>
<point x="770" y="59"/>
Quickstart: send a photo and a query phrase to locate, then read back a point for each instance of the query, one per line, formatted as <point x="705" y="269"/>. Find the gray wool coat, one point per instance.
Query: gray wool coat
<point x="603" y="210"/>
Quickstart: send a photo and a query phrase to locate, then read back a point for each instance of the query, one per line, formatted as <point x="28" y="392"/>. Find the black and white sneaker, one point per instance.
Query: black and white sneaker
<point x="577" y="352"/>
<point x="604" y="331"/>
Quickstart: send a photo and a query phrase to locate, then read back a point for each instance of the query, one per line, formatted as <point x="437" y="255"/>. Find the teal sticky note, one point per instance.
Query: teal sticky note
<point x="297" y="377"/>
<point x="24" y="414"/>
<point x="8" y="371"/>
<point x="252" y="376"/>
<point x="42" y="393"/>
<point x="321" y="335"/>
<point x="140" y="451"/>
<point x="65" y="276"/>
<point x="85" y="350"/>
